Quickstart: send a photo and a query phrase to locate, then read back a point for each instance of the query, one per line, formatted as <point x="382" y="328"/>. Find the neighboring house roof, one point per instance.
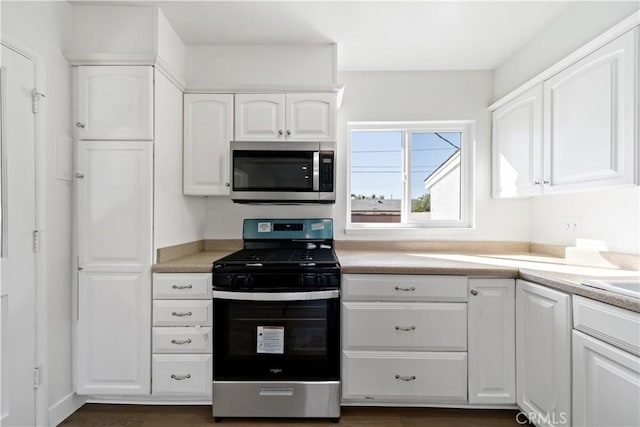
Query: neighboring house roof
<point x="435" y="176"/>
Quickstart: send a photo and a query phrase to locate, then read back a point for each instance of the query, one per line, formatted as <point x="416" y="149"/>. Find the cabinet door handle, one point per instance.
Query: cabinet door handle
<point x="537" y="182"/>
<point x="182" y="286"/>
<point x="180" y="377"/>
<point x="474" y="292"/>
<point x="227" y="184"/>
<point x="398" y="288"/>
<point x="545" y="182"/>
<point x="406" y="328"/>
<point x="79" y="175"/>
<point x="405" y="378"/>
<point x="180" y="342"/>
<point x="288" y="132"/>
<point x="280" y="132"/>
<point x="80" y="125"/>
<point x="182" y="314"/>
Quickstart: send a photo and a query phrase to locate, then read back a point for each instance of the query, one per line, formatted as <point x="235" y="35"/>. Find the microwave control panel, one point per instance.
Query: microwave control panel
<point x="326" y="171"/>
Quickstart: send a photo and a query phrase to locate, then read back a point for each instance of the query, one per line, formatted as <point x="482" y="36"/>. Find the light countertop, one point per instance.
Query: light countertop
<point x="546" y="270"/>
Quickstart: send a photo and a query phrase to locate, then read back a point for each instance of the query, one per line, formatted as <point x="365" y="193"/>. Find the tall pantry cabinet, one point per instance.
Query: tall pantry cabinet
<point x="113" y="116"/>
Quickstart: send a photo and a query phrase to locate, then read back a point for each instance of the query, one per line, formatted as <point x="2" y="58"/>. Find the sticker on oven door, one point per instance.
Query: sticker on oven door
<point x="271" y="339"/>
<point x="317" y="226"/>
<point x="264" y="227"/>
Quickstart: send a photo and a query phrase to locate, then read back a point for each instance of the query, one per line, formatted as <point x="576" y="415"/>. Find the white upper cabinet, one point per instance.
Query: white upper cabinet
<point x="208" y="130"/>
<point x="260" y="117"/>
<point x="517" y="145"/>
<point x="575" y="130"/>
<point x="290" y="117"/>
<point x="310" y="117"/>
<point x="114" y="102"/>
<point x="589" y="119"/>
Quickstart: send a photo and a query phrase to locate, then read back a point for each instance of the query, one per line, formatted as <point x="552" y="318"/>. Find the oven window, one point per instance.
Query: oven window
<point x="272" y="170"/>
<point x="298" y="328"/>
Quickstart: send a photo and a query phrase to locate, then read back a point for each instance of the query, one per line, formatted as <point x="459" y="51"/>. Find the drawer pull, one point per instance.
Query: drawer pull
<point x="406" y="328"/>
<point x="188" y="313"/>
<point x="182" y="286"/>
<point x="180" y="342"/>
<point x="411" y="289"/>
<point x="180" y="377"/>
<point x="405" y="378"/>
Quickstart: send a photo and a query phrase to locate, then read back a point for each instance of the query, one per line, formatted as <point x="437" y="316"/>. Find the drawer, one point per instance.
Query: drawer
<point x="182" y="313"/>
<point x="184" y="374"/>
<point x="182" y="286"/>
<point x="411" y="376"/>
<point x="191" y="339"/>
<point x="611" y="324"/>
<point x="404" y="326"/>
<point x="403" y="287"/>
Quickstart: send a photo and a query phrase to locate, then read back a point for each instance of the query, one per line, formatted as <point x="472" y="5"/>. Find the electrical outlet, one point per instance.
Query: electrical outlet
<point x="571" y="225"/>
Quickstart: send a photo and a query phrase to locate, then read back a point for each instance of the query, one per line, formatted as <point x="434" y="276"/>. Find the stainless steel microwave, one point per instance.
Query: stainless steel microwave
<point x="283" y="172"/>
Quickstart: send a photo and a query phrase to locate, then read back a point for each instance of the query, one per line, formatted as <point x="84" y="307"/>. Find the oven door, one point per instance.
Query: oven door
<point x="276" y="336"/>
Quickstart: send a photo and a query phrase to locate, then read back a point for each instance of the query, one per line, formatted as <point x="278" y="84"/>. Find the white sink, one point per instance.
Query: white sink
<point x="630" y="288"/>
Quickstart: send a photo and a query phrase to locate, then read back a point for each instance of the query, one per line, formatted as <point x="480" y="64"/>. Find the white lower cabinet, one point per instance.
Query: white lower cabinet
<point x="405" y="376"/>
<point x="182" y="362"/>
<point x="185" y="374"/>
<point x="543" y="354"/>
<point x="492" y="358"/>
<point x="404" y="339"/>
<point x="606" y="377"/>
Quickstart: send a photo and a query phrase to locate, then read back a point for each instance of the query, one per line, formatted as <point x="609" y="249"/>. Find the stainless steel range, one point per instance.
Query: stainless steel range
<point x="276" y="310"/>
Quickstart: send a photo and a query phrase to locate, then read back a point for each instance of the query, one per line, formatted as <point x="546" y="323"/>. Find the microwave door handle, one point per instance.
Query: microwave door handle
<point x="316" y="171"/>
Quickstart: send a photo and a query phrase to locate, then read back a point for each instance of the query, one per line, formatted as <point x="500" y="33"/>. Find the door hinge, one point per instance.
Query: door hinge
<point x="36" y="377"/>
<point x="35" y="98"/>
<point x="36" y="241"/>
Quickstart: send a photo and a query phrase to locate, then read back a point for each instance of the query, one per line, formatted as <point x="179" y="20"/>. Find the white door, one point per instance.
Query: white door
<point x="492" y="347"/>
<point x="517" y="146"/>
<point x="259" y="117"/>
<point x="589" y="119"/>
<point x="208" y="130"/>
<point x="18" y="285"/>
<point x="606" y="384"/>
<point x="543" y="353"/>
<point x="113" y="332"/>
<point x="310" y="117"/>
<point x="114" y="102"/>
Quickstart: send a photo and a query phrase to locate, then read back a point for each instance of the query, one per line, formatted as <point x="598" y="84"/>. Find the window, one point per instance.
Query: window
<point x="410" y="174"/>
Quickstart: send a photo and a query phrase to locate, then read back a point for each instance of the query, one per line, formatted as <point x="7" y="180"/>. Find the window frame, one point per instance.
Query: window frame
<point x="467" y="161"/>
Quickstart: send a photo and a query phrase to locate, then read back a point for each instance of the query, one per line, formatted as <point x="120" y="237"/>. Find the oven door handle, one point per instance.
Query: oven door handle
<point x="276" y="296"/>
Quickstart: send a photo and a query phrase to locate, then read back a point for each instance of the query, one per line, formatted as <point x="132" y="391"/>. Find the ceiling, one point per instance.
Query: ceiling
<point x="373" y="35"/>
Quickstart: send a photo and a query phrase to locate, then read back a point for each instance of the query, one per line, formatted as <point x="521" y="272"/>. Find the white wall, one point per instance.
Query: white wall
<point x="120" y="29"/>
<point x="608" y="215"/>
<point x="177" y="219"/>
<point x="170" y="49"/>
<point x="45" y="28"/>
<point x="234" y="66"/>
<point x="383" y="96"/>
<point x="580" y="23"/>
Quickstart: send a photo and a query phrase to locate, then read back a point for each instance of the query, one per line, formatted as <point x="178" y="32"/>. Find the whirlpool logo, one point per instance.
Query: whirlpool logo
<point x="275" y="370"/>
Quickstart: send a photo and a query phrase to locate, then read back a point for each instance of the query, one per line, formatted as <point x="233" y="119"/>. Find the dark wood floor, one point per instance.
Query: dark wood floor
<point x="95" y="415"/>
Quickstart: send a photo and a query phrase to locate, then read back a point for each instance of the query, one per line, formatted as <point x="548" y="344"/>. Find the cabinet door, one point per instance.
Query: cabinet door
<point x="589" y="119"/>
<point x="492" y="347"/>
<point x="113" y="334"/>
<point x="543" y="353"/>
<point x="259" y="117"/>
<point x="114" y="205"/>
<point x="114" y="102"/>
<point x="311" y="117"/>
<point x="606" y="384"/>
<point x="517" y="146"/>
<point x="208" y="129"/>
